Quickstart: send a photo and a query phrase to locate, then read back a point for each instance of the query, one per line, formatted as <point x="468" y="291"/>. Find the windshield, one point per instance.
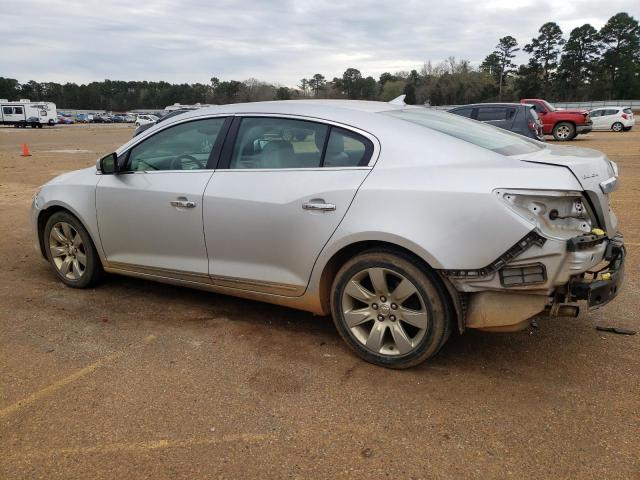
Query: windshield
<point x="478" y="133"/>
<point x="548" y="106"/>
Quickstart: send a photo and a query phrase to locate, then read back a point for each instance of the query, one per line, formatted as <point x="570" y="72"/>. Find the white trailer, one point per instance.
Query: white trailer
<point x="25" y="112"/>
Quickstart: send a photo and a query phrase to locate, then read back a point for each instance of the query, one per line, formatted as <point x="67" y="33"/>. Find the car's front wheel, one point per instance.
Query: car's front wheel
<point x="70" y="251"/>
<point x="389" y="309"/>
<point x="617" y="127"/>
<point x="564" y="131"/>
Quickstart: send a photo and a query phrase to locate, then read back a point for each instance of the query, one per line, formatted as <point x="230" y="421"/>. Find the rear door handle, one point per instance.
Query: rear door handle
<point x="182" y="204"/>
<point x="322" y="207"/>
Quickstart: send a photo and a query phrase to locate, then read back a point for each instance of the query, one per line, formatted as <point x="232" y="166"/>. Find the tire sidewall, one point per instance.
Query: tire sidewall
<point x="430" y="291"/>
<point x="93" y="267"/>
<point x="620" y="127"/>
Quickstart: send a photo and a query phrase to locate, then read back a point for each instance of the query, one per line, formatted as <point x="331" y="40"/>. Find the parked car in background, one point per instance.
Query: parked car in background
<point x="117" y="119"/>
<point x="618" y="119"/>
<point x="562" y="124"/>
<point x="403" y="222"/>
<point x="143" y="119"/>
<point x="129" y="118"/>
<point x="515" y="117"/>
<point x="170" y="114"/>
<point x="65" y="119"/>
<point x="82" y="118"/>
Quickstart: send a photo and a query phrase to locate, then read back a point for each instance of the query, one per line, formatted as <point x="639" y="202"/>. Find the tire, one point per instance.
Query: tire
<point x="67" y="245"/>
<point x="564" y="131"/>
<point x="617" y="127"/>
<point x="372" y="320"/>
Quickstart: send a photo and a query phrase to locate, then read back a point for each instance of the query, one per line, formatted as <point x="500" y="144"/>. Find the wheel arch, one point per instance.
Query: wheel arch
<point x="45" y="214"/>
<point x="345" y="253"/>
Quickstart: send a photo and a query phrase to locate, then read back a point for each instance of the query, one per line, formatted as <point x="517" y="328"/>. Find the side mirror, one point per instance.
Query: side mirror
<point x="108" y="165"/>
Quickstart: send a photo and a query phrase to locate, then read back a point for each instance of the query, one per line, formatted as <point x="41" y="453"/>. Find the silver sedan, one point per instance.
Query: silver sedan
<point x="403" y="223"/>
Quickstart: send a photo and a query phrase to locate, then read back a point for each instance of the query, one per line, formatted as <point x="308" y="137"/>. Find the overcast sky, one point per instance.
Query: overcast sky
<point x="277" y="41"/>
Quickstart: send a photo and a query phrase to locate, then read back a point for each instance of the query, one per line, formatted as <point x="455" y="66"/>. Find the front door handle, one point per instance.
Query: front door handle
<point x="322" y="207"/>
<point x="182" y="204"/>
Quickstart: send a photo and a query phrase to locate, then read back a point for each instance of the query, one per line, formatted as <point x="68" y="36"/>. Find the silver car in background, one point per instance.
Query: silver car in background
<point x="403" y="223"/>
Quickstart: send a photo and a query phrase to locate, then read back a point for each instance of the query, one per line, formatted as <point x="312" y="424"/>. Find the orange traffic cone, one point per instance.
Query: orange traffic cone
<point x="25" y="150"/>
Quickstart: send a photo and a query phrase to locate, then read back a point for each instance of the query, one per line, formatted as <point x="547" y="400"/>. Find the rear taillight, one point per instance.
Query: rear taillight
<point x="624" y="115"/>
<point x="532" y="126"/>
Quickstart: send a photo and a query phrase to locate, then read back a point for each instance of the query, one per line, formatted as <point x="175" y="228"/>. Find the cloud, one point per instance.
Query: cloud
<point x="279" y="41"/>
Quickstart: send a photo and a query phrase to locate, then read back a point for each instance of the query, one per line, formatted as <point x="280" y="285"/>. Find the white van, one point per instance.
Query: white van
<point x="25" y="112"/>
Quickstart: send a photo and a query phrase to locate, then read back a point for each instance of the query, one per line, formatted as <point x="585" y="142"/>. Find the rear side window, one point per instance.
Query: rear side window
<point x="610" y="111"/>
<point x="488" y="114"/>
<point x="265" y="142"/>
<point x="279" y="143"/>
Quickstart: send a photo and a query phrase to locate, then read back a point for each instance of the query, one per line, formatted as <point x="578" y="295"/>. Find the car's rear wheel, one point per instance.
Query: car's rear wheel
<point x="389" y="309"/>
<point x="564" y="131"/>
<point x="70" y="251"/>
<point x="617" y="127"/>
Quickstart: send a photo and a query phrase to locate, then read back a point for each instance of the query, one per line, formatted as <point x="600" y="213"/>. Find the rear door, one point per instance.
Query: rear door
<point x="282" y="188"/>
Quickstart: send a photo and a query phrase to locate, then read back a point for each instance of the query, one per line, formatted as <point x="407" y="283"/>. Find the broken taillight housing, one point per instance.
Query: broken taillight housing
<point x="557" y="214"/>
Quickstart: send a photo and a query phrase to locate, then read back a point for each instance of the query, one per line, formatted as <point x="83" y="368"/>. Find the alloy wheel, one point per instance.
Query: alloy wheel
<point x="563" y="132"/>
<point x="384" y="311"/>
<point x="67" y="251"/>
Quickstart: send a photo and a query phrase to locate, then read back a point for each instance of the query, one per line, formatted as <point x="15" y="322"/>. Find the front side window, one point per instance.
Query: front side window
<point x="596" y="113"/>
<point x="186" y="146"/>
<point x="477" y="133"/>
<point x="265" y="142"/>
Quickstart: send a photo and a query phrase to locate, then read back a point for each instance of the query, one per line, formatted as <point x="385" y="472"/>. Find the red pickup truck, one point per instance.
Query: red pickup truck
<point x="562" y="124"/>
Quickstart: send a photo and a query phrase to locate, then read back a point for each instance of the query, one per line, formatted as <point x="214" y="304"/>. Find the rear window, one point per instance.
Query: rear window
<point x="480" y="134"/>
<point x="628" y="111"/>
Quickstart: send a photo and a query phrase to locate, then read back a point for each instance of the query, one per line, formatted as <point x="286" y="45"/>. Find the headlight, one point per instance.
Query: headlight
<point x="557" y="214"/>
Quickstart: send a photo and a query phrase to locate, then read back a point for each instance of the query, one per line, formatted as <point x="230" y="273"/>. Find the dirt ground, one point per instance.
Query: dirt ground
<point x="134" y="379"/>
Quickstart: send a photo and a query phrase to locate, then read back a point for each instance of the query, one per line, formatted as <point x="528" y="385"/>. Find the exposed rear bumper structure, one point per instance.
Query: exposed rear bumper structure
<point x="510" y="309"/>
<point x="580" y="129"/>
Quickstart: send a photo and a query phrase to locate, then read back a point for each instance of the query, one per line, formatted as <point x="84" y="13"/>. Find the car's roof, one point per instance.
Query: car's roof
<point x="291" y="106"/>
<point x="608" y="107"/>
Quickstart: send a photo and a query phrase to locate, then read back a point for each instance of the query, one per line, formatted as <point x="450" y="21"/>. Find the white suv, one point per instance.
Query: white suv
<point x="618" y="119"/>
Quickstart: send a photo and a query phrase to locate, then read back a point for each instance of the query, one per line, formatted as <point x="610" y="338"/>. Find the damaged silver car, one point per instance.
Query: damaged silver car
<point x="403" y="223"/>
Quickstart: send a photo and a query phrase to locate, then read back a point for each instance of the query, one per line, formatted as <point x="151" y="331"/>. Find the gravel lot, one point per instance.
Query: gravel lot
<point x="140" y="380"/>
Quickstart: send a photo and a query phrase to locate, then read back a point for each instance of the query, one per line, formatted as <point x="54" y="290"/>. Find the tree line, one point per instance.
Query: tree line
<point x="590" y="64"/>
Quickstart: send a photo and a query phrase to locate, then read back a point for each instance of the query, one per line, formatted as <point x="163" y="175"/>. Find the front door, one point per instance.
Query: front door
<point x="150" y="214"/>
<point x="282" y="190"/>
